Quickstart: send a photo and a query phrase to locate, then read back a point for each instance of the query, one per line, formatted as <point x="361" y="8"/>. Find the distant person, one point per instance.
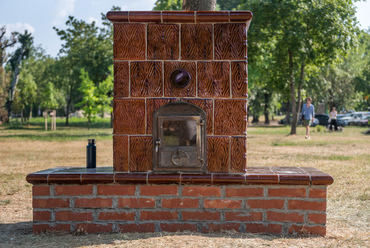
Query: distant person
<point x="308" y="115"/>
<point x="333" y="119"/>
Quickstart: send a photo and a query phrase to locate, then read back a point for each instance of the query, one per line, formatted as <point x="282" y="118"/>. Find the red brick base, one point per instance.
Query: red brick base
<point x="92" y="208"/>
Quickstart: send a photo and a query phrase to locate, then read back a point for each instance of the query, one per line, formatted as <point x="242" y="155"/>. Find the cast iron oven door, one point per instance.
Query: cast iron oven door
<point x="179" y="138"/>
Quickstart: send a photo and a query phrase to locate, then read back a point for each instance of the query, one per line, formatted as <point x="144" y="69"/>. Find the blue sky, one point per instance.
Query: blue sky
<point x="40" y="16"/>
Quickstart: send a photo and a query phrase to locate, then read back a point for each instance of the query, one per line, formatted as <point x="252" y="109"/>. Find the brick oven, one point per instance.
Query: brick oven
<point x="179" y="141"/>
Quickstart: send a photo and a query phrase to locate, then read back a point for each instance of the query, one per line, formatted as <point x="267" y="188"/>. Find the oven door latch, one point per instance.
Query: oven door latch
<point x="157" y="144"/>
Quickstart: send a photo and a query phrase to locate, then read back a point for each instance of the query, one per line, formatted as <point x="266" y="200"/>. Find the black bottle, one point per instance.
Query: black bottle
<point x="91" y="154"/>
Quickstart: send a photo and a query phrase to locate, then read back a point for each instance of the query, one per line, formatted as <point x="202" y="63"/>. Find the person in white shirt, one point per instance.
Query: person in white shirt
<point x="333" y="119"/>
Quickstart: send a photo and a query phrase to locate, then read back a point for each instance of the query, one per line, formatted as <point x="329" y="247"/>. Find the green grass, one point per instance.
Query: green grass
<point x="77" y="130"/>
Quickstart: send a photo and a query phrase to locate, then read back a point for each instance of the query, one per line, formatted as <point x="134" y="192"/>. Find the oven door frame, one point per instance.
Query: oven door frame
<point x="177" y="158"/>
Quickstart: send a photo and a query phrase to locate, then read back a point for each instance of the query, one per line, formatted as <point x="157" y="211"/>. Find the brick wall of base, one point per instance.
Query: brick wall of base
<point x="94" y="208"/>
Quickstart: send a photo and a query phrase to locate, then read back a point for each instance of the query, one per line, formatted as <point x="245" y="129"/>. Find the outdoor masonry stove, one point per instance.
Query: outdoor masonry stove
<point x="179" y="141"/>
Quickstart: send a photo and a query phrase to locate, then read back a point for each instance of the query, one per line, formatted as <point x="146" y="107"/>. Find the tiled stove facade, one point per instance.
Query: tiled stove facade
<point x="130" y="197"/>
<point x="212" y="48"/>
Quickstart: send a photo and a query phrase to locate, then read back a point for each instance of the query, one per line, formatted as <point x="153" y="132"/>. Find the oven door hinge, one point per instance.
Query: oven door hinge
<point x="201" y="123"/>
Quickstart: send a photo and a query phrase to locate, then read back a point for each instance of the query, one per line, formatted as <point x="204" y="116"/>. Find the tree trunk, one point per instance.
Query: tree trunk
<point x="267" y="105"/>
<point x="68" y="105"/>
<point x="199" y="5"/>
<point x="293" y="129"/>
<point x="300" y="87"/>
<point x="255" y="118"/>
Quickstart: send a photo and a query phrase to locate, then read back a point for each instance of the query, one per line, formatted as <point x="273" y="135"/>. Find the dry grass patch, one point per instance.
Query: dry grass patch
<point x="345" y="156"/>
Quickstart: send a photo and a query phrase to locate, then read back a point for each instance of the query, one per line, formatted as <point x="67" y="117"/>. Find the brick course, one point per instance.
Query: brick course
<point x="176" y="207"/>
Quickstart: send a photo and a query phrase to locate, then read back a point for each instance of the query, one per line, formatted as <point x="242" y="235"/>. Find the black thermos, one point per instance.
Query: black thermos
<point x="91" y="154"/>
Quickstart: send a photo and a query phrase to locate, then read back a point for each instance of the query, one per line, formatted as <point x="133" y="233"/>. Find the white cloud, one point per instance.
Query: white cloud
<point x="64" y="8"/>
<point x="19" y="27"/>
<point x="93" y="19"/>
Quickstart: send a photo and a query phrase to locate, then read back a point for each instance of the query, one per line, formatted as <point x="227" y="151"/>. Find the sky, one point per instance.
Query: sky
<point x="40" y="16"/>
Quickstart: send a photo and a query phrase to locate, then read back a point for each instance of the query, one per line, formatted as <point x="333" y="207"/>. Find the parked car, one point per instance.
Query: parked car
<point x="341" y="120"/>
<point x="363" y="122"/>
<point x="313" y="124"/>
<point x="357" y="117"/>
<point x="323" y="119"/>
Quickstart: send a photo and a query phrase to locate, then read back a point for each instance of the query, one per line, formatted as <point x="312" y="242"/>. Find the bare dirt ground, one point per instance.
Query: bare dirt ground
<point x="346" y="156"/>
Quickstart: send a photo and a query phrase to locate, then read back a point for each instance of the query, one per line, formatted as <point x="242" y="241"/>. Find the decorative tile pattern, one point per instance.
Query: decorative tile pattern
<point x="196" y="42"/>
<point x="141" y="153"/>
<point x="217" y="154"/>
<point x="239" y="79"/>
<point x="230" y="41"/>
<point x="146" y="79"/>
<point x="151" y="106"/>
<point x="129" y="116"/>
<point x="121" y="79"/>
<point x="120" y="153"/>
<point x="230" y="117"/>
<point x="169" y="89"/>
<point x="238" y="156"/>
<point x="129" y="41"/>
<point x="207" y="106"/>
<point x="213" y="79"/>
<point x="163" y="41"/>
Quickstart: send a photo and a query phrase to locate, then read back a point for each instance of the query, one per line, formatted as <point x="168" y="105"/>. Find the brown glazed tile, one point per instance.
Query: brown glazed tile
<point x="214" y="79"/>
<point x="95" y="178"/>
<point x="287" y="170"/>
<point x="120" y="153"/>
<point x="121" y="79"/>
<point x="129" y="116"/>
<point x="321" y="179"/>
<point x="169" y="89"/>
<point x="230" y="41"/>
<point x="130" y="178"/>
<point x="238" y="156"/>
<point x="230" y="117"/>
<point x="218" y="154"/>
<point x="207" y="106"/>
<point x="163" y="178"/>
<point x="240" y="16"/>
<point x="117" y="16"/>
<point x="65" y="178"/>
<point x="145" y="16"/>
<point x="228" y="179"/>
<point x="141" y="153"/>
<point x="212" y="16"/>
<point x="151" y="106"/>
<point x="36" y="178"/>
<point x="294" y="179"/>
<point x="196" y="178"/>
<point x="178" y="16"/>
<point x="239" y="79"/>
<point x="146" y="79"/>
<point x="252" y="178"/>
<point x="163" y="41"/>
<point x="196" y="42"/>
<point x="129" y="41"/>
<point x="259" y="170"/>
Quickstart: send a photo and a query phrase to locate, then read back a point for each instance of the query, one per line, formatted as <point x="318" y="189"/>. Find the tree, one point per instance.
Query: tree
<point x="199" y="5"/>
<point x="89" y="100"/>
<point x="300" y="35"/>
<point x="20" y="54"/>
<point x="5" y="43"/>
<point x="86" y="47"/>
<point x="168" y="5"/>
